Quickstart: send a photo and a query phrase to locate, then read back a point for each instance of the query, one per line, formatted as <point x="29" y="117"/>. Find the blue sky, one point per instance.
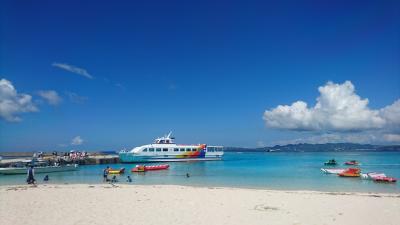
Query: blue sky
<point x="207" y="71"/>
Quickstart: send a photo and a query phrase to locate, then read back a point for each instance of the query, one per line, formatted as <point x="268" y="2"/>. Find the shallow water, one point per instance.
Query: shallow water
<point x="288" y="171"/>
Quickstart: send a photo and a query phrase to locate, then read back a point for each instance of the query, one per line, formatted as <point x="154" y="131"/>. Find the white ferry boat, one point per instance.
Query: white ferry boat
<point x="164" y="149"/>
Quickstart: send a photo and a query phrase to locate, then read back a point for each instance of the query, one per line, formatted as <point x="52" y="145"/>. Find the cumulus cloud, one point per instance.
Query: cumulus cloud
<point x="77" y="140"/>
<point x="13" y="103"/>
<point x="75" y="98"/>
<point x="50" y="96"/>
<point x="338" y="108"/>
<point x="391" y="114"/>
<point x="73" y="69"/>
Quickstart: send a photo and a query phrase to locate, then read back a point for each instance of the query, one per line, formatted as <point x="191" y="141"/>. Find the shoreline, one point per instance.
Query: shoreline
<point x="338" y="192"/>
<point x="109" y="185"/>
<point x="176" y="204"/>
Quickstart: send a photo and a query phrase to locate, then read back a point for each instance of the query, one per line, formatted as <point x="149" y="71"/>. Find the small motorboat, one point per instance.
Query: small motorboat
<point x="330" y="162"/>
<point x="352" y="163"/>
<point x="38" y="168"/>
<point x="385" y="179"/>
<point x="332" y="171"/>
<point x="116" y="171"/>
<point x="350" y="172"/>
<point x="143" y="168"/>
<point x="372" y="175"/>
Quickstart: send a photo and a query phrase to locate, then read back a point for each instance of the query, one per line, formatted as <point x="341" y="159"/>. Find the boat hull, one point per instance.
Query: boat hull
<point x="332" y="171"/>
<point x="348" y="175"/>
<point x="131" y="158"/>
<point x="49" y="169"/>
<point x="116" y="171"/>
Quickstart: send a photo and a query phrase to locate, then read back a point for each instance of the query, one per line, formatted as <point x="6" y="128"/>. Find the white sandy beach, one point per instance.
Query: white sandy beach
<point x="137" y="204"/>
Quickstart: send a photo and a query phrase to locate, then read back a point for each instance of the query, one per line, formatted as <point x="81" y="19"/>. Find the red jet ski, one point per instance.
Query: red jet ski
<point x="352" y="163"/>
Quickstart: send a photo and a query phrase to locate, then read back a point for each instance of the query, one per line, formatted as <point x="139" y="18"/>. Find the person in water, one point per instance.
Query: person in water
<point x="46" y="178"/>
<point x="31" y="175"/>
<point x="187" y="175"/>
<point x="114" y="179"/>
<point x="105" y="174"/>
<point x="129" y="179"/>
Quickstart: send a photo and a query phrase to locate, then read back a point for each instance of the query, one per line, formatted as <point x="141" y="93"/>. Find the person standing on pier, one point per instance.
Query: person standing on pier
<point x="105" y="174"/>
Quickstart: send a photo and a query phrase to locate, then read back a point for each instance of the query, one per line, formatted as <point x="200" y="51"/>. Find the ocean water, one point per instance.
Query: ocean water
<point x="287" y="171"/>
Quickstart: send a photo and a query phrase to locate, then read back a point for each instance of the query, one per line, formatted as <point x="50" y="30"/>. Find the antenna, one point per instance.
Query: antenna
<point x="169" y="134"/>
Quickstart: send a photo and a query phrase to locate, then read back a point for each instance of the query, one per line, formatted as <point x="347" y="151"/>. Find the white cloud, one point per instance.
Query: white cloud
<point x="392" y="138"/>
<point x="73" y="69"/>
<point x="13" y="103"/>
<point x="77" y="140"/>
<point x="50" y="96"/>
<point x="75" y="98"/>
<point x="391" y="114"/>
<point x="338" y="108"/>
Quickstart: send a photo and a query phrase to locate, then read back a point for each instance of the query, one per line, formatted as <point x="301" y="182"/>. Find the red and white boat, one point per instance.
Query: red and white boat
<point x="144" y="168"/>
<point x="375" y="175"/>
<point x="332" y="171"/>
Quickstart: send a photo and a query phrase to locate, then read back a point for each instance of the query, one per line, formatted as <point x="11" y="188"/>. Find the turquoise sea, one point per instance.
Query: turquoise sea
<point x="287" y="171"/>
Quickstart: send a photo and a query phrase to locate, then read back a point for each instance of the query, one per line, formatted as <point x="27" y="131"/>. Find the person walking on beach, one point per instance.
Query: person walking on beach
<point x="31" y="176"/>
<point x="105" y="174"/>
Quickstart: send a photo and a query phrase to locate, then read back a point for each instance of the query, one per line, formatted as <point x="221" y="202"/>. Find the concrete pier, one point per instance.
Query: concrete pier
<point x="90" y="160"/>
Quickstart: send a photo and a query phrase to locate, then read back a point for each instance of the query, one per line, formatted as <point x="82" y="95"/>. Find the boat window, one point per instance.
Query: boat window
<point x="145" y="150"/>
<point x="151" y="149"/>
<point x="167" y="141"/>
<point x="165" y="149"/>
<point x="182" y="149"/>
<point x="188" y="149"/>
<point x="158" y="149"/>
<point x="193" y="149"/>
<point x="176" y="149"/>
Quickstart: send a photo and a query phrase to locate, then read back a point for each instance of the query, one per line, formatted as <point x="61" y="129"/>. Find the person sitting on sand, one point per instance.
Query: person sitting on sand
<point x="31" y="176"/>
<point x="114" y="179"/>
<point x="129" y="179"/>
<point x="105" y="174"/>
<point x="46" y="178"/>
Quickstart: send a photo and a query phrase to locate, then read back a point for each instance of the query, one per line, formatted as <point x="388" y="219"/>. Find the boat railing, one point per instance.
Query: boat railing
<point x="215" y="148"/>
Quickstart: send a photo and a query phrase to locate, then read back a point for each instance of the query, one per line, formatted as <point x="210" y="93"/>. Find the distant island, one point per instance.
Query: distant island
<point x="328" y="147"/>
<point x="303" y="147"/>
